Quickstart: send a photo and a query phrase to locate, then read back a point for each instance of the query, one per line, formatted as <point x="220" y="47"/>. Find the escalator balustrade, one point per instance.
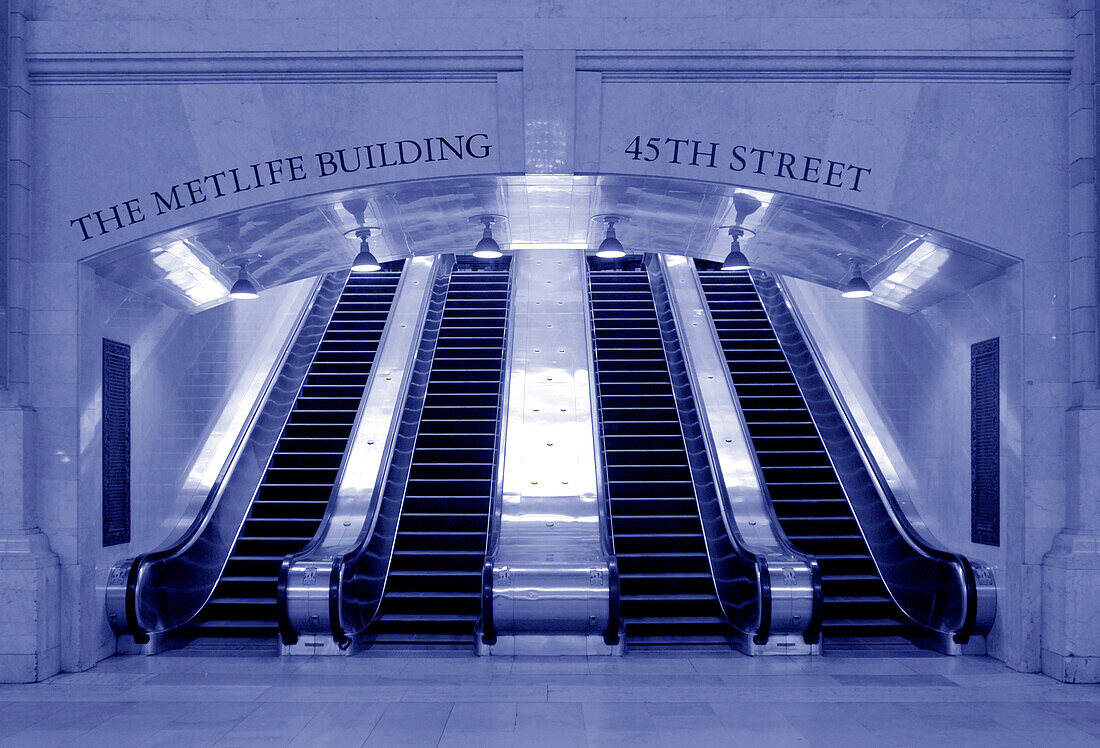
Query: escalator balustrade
<point x="291" y="500"/>
<point x="433" y="590"/>
<point x="805" y="491"/>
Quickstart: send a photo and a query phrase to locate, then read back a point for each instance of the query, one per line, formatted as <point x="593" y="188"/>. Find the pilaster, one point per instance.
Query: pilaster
<point x="1071" y="569"/>
<point x="29" y="573"/>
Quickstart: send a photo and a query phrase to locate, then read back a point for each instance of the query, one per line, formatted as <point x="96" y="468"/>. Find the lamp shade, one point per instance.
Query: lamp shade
<point x="856" y="287"/>
<point x="244" y="288"/>
<point x="736" y="260"/>
<point x="487" y="248"/>
<point x="365" y="261"/>
<point x="611" y="248"/>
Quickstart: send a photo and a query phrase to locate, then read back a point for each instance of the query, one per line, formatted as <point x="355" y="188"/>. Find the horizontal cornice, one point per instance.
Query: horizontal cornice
<point x="92" y="68"/>
<point x="266" y="67"/>
<point x="1041" y="66"/>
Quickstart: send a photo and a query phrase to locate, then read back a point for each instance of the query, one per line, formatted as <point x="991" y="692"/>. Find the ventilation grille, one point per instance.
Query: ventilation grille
<point x="499" y="265"/>
<point x="985" y="443"/>
<point x="630" y="263"/>
<point x="116" y="442"/>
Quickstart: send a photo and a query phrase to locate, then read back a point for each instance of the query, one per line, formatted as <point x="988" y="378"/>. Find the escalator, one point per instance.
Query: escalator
<point x="433" y="589"/>
<point x="667" y="593"/>
<point x="296" y="486"/>
<point x="806" y="492"/>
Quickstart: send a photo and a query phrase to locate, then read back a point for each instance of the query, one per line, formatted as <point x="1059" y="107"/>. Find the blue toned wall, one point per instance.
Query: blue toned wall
<point x="975" y="118"/>
<point x="194" y="379"/>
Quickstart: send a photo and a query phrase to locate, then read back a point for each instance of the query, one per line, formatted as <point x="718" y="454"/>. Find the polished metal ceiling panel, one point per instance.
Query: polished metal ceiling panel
<point x="909" y="267"/>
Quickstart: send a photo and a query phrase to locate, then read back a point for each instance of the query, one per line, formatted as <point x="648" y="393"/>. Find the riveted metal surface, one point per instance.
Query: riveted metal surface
<point x="550" y="573"/>
<point x="356" y="499"/>
<point x="742" y="502"/>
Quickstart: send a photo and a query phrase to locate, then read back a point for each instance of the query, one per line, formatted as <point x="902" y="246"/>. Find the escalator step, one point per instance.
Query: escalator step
<point x="808" y="499"/>
<point x="253" y="601"/>
<point x="298" y="481"/>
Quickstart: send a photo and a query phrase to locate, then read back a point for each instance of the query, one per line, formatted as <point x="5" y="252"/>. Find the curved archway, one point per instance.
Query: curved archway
<point x="909" y="266"/>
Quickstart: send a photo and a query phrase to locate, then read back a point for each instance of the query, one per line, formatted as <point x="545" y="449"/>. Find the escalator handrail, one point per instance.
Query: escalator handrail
<point x="496" y="497"/>
<point x="782" y="549"/>
<point x="900" y="518"/>
<point x="603" y="498"/>
<point x="128" y="575"/>
<point x="331" y="556"/>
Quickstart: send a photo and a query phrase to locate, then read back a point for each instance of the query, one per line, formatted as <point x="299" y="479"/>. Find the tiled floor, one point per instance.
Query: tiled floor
<point x="640" y="700"/>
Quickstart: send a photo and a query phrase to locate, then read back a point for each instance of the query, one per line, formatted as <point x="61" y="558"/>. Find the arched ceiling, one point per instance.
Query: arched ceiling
<point x="909" y="267"/>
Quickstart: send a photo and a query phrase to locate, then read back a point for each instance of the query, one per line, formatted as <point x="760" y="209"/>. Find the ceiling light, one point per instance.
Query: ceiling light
<point x="611" y="248"/>
<point x="244" y="288"/>
<point x="487" y="248"/>
<point x="856" y="287"/>
<point x="736" y="259"/>
<point x="365" y="261"/>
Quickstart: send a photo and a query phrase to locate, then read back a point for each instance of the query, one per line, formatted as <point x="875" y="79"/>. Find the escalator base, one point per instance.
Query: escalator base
<point x="877" y="646"/>
<point x="678" y="643"/>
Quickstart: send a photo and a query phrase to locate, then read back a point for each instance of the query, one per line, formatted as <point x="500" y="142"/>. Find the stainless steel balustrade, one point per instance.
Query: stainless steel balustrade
<point x="550" y="581"/>
<point x="770" y="591"/>
<point x="330" y="590"/>
<point x="952" y="596"/>
<point x="151" y="594"/>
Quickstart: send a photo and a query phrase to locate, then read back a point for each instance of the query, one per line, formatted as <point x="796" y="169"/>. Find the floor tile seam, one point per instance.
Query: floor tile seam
<point x="41" y="718"/>
<point x="307" y="723"/>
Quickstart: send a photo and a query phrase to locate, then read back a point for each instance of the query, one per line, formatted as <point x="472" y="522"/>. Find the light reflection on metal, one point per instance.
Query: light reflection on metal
<point x="550" y="572"/>
<point x="797" y="236"/>
<point x="184" y="271"/>
<point x="916" y="267"/>
<point x="743" y="510"/>
<point x="524" y="246"/>
<point x="354" y="518"/>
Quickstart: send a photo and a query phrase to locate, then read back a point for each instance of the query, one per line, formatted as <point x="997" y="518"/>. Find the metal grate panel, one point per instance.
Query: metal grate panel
<point x="116" y="442"/>
<point x="985" y="452"/>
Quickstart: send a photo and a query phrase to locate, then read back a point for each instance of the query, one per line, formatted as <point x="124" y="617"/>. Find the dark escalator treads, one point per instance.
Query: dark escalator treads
<point x="433" y="591"/>
<point x="805" y="491"/>
<point x="667" y="594"/>
<point x="296" y="487"/>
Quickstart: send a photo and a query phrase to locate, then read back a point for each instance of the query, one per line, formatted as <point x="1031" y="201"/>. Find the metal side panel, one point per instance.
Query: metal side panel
<point x="311" y="580"/>
<point x="550" y="570"/>
<point x="738" y="515"/>
<point x="163" y="589"/>
<point x="943" y="591"/>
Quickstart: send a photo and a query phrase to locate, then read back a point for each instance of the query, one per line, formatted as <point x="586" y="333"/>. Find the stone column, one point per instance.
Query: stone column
<point x="29" y="602"/>
<point x="1071" y="569"/>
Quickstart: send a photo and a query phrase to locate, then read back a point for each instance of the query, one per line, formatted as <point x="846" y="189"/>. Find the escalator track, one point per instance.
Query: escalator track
<point x="433" y="589"/>
<point x="805" y="490"/>
<point x="297" y="484"/>
<point x="667" y="593"/>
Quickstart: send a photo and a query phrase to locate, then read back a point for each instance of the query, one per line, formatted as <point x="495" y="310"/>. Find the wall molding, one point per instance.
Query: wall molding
<point x="1024" y="66"/>
<point x="713" y="66"/>
<point x="142" y="68"/>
